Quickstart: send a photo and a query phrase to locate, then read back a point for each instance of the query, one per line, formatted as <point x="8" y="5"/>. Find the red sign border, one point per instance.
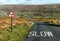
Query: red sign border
<point x="9" y="13"/>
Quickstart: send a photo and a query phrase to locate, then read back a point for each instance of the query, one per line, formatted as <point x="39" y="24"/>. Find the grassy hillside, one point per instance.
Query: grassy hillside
<point x="32" y="11"/>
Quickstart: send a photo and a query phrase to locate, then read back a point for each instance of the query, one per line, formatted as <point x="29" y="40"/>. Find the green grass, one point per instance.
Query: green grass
<point x="37" y="14"/>
<point x="18" y="34"/>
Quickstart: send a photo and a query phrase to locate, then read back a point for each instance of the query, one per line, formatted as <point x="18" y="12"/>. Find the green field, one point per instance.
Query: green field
<point x="18" y="34"/>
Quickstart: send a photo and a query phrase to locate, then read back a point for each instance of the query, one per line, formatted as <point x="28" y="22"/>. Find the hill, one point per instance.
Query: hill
<point x="32" y="11"/>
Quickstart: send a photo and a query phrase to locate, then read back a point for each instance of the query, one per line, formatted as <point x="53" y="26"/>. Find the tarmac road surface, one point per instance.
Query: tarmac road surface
<point x="43" y="32"/>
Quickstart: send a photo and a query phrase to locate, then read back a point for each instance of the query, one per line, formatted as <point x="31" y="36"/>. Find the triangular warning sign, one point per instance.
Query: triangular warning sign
<point x="11" y="14"/>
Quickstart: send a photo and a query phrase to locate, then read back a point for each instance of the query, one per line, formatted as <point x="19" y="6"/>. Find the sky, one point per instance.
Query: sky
<point x="29" y="2"/>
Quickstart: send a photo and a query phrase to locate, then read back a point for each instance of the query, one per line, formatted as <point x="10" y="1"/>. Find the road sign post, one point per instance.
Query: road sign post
<point x="11" y="15"/>
<point x="11" y="24"/>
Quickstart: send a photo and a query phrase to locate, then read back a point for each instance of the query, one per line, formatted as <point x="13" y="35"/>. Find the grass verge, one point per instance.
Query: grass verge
<point x="18" y="34"/>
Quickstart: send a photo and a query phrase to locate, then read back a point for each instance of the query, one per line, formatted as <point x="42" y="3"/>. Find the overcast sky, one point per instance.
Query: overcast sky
<point x="29" y="1"/>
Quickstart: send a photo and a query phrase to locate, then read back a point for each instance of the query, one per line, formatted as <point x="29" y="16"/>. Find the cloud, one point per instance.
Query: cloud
<point x="2" y="1"/>
<point x="9" y="1"/>
<point x="28" y="2"/>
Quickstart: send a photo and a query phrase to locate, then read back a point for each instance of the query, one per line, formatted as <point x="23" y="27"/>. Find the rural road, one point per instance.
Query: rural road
<point x="43" y="32"/>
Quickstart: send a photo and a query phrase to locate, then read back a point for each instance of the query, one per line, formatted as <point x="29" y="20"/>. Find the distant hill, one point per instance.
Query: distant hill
<point x="33" y="10"/>
<point x="31" y="7"/>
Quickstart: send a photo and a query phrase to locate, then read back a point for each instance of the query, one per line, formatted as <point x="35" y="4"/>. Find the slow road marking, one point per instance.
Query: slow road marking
<point x="42" y="34"/>
<point x="46" y="33"/>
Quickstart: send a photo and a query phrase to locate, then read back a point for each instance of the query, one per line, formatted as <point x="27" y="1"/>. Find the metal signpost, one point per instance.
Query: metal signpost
<point x="11" y="15"/>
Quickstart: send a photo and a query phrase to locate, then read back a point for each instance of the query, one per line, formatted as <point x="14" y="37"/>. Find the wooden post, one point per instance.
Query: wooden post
<point x="11" y="24"/>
